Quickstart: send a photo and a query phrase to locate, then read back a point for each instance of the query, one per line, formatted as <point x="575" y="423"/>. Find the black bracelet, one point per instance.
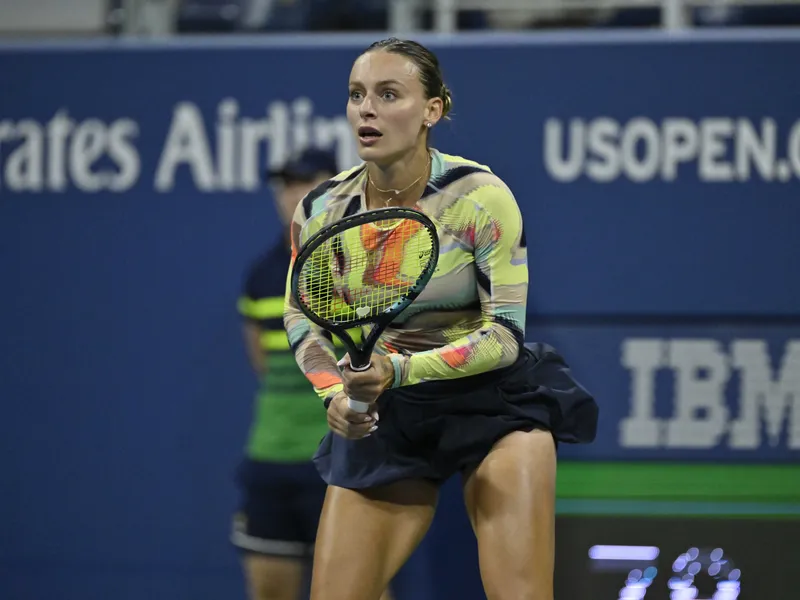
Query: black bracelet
<point x="328" y="399"/>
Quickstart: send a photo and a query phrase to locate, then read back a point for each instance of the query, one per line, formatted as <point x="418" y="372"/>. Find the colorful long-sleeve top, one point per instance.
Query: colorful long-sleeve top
<point x="470" y="318"/>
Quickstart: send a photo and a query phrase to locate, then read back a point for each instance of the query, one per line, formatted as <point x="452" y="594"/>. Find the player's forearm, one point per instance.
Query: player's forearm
<point x="494" y="346"/>
<point x="313" y="353"/>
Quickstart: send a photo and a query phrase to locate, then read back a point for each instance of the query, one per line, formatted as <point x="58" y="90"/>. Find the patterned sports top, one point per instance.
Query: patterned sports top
<point x="470" y="318"/>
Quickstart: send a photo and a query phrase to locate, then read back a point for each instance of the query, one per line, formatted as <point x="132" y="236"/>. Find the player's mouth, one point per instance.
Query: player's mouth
<point x="368" y="135"/>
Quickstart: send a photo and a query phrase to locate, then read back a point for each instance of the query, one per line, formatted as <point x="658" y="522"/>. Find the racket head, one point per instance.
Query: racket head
<point x="365" y="269"/>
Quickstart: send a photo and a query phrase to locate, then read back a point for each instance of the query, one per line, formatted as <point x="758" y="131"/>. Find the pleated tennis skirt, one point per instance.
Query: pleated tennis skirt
<point x="435" y="429"/>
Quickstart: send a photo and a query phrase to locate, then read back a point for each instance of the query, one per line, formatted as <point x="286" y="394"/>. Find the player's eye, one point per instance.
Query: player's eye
<point x="389" y="95"/>
<point x="355" y="95"/>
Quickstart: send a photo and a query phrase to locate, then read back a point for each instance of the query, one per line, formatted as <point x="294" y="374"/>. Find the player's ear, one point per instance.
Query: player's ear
<point x="433" y="110"/>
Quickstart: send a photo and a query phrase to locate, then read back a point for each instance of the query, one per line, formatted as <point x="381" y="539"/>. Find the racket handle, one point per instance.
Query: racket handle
<point x="357" y="406"/>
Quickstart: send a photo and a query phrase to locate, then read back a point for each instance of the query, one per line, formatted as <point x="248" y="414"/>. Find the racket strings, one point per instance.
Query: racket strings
<point x="365" y="270"/>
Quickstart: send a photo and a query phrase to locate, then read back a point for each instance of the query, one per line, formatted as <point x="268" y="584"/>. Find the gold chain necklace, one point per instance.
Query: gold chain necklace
<point x="398" y="192"/>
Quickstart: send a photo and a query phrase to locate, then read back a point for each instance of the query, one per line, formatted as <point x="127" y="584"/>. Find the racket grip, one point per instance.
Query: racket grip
<point x="357" y="406"/>
<point x="361" y="407"/>
<point x="359" y="369"/>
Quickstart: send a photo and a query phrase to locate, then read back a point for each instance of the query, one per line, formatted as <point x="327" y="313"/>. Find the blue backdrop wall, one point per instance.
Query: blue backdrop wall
<point x="658" y="179"/>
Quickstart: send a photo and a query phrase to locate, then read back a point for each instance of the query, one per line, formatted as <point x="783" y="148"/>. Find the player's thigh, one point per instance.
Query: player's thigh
<point x="272" y="577"/>
<point x="309" y="497"/>
<point x="510" y="499"/>
<point x="364" y="537"/>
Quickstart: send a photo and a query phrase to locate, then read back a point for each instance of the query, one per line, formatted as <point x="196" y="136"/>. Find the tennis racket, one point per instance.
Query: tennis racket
<point x="364" y="270"/>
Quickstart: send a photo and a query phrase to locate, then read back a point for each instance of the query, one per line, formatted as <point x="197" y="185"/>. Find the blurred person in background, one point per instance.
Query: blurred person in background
<point x="282" y="493"/>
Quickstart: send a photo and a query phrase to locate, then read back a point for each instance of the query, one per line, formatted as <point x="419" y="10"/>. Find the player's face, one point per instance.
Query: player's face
<point x="288" y="195"/>
<point x="387" y="107"/>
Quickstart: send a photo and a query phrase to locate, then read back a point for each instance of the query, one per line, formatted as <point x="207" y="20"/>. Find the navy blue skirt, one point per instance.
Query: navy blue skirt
<point x="434" y="429"/>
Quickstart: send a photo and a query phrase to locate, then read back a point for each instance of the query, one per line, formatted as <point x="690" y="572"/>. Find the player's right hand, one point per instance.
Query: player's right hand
<point x="348" y="423"/>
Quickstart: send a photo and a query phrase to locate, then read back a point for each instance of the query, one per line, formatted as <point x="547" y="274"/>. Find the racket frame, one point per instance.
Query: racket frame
<point x="360" y="356"/>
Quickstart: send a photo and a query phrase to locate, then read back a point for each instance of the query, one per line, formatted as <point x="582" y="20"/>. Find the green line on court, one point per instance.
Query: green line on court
<point x="678" y="482"/>
<point x="677" y="508"/>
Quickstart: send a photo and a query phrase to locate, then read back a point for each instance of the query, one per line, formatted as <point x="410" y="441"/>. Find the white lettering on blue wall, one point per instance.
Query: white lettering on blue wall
<point x="720" y="397"/>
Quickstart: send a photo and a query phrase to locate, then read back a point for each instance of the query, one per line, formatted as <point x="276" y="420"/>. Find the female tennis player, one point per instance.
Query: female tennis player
<point x="451" y="385"/>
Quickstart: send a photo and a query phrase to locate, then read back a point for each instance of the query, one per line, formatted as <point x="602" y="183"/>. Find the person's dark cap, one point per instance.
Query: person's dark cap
<point x="307" y="165"/>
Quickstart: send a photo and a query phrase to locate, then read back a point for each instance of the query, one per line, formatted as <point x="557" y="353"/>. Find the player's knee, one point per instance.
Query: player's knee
<point x="516" y="576"/>
<point x="517" y="587"/>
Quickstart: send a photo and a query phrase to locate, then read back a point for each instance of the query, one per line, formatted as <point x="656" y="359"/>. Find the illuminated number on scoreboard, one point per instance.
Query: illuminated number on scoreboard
<point x="639" y="563"/>
<point x="694" y="562"/>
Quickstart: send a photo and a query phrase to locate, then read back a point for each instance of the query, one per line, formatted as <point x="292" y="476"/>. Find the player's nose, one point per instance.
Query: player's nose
<point x="367" y="108"/>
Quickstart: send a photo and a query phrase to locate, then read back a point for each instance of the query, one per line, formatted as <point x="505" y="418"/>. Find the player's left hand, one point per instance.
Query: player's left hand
<point x="366" y="386"/>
